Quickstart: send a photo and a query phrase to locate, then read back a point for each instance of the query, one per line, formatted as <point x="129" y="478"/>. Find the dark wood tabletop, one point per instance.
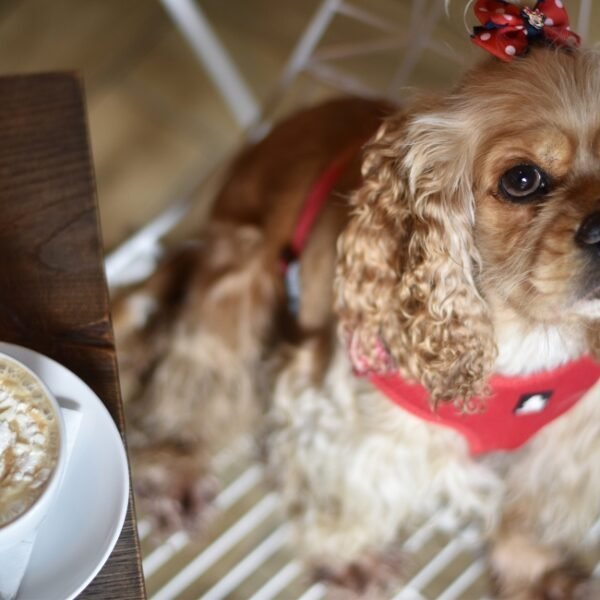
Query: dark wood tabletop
<point x="53" y="295"/>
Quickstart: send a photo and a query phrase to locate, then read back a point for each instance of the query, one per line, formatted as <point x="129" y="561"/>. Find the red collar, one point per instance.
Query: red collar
<point x="517" y="409"/>
<point x="314" y="203"/>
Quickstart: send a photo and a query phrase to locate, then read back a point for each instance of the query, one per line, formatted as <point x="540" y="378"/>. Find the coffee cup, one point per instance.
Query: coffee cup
<point x="32" y="451"/>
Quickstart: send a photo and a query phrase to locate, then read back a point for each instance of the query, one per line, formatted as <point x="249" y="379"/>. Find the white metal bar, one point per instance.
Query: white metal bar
<point x="460" y="585"/>
<point x="419" y="39"/>
<point x="163" y="553"/>
<point x="308" y="42"/>
<point x="248" y="565"/>
<point x="349" y="50"/>
<point x="217" y="549"/>
<point x="416" y="13"/>
<point x="418" y="538"/>
<point x="135" y="259"/>
<point x="144" y="528"/>
<point x="585" y="13"/>
<point x="592" y="538"/>
<point x="593" y="533"/>
<point x="238" y="488"/>
<point x="359" y="14"/>
<point x="315" y="592"/>
<point x="412" y="594"/>
<point x="344" y="51"/>
<point x="298" y="59"/>
<point x="446" y="50"/>
<point x="192" y="23"/>
<point x="438" y="562"/>
<point x="340" y="80"/>
<point x="278" y="582"/>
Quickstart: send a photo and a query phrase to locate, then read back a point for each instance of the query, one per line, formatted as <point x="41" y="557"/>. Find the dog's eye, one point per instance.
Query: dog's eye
<point x="523" y="183"/>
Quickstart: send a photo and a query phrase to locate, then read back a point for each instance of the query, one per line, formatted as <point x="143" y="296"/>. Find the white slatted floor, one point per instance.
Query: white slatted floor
<point x="244" y="556"/>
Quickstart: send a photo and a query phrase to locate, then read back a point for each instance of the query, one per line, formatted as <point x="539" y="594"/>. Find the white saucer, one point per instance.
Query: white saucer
<point x="82" y="528"/>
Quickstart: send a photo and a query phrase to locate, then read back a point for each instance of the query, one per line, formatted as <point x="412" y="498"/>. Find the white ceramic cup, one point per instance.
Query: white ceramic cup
<point x="25" y="525"/>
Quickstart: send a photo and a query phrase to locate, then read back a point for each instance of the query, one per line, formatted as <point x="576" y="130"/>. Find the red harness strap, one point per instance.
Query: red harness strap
<point x="518" y="407"/>
<point x="315" y="201"/>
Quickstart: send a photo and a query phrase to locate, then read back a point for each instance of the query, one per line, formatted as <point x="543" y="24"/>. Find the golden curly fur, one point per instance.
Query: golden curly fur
<point x="438" y="267"/>
<point x="405" y="276"/>
<point x="430" y="246"/>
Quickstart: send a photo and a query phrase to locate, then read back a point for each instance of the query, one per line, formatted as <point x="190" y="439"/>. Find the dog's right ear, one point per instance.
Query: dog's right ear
<point x="405" y="291"/>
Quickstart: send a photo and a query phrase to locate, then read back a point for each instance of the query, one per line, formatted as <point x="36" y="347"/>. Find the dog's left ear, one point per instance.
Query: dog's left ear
<point x="406" y="295"/>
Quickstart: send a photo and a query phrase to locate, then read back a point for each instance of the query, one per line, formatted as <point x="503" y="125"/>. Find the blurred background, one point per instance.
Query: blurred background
<point x="160" y="123"/>
<point x="174" y="88"/>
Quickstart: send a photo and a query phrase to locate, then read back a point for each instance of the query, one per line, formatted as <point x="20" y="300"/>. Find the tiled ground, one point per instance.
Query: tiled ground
<point x="244" y="554"/>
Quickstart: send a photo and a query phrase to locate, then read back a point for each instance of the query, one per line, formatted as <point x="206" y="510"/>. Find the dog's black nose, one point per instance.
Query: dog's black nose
<point x="588" y="234"/>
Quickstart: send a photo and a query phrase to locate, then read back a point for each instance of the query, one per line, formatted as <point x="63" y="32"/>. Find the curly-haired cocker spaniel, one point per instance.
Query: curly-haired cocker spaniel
<point x="469" y="256"/>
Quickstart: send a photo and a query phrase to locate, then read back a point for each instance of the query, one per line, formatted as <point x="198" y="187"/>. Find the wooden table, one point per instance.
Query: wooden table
<point x="53" y="295"/>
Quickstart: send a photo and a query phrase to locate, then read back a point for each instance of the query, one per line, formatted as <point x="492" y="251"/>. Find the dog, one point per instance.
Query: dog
<point x="458" y="248"/>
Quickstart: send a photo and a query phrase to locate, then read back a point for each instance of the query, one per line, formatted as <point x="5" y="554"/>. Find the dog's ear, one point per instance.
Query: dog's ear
<point x="405" y="289"/>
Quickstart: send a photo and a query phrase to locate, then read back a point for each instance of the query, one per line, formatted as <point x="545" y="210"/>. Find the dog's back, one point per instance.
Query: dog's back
<point x="268" y="182"/>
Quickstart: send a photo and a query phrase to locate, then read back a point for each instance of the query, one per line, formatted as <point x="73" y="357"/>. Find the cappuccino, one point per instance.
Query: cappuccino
<point x="29" y="440"/>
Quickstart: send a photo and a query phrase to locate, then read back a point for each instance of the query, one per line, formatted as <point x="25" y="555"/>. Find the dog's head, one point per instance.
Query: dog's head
<point x="482" y="202"/>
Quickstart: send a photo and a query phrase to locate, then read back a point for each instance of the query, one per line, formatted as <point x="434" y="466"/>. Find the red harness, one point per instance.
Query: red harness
<point x="518" y="406"/>
<point x="517" y="409"/>
<point x="315" y="201"/>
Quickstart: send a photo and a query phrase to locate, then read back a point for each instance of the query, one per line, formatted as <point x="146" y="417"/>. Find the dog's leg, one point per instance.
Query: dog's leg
<point x="553" y="498"/>
<point x="143" y="315"/>
<point x="201" y="390"/>
<point x="353" y="469"/>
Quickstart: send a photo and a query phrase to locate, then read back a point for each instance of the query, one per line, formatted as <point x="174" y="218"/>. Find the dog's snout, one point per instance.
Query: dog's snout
<point x="588" y="234"/>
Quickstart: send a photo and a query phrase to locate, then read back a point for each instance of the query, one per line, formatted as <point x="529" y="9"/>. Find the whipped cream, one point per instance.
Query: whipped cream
<point x="29" y="440"/>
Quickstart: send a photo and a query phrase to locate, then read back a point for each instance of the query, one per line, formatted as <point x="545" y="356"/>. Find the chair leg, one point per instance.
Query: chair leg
<point x="193" y="25"/>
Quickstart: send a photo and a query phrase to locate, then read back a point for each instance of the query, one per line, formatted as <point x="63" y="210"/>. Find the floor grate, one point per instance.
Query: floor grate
<point x="244" y="554"/>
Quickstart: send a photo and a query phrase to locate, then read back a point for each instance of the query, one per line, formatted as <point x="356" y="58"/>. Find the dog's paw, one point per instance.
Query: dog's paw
<point x="373" y="576"/>
<point x="173" y="489"/>
<point x="567" y="583"/>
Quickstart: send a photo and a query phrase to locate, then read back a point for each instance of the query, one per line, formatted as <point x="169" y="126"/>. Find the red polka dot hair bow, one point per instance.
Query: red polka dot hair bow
<point x="507" y="30"/>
